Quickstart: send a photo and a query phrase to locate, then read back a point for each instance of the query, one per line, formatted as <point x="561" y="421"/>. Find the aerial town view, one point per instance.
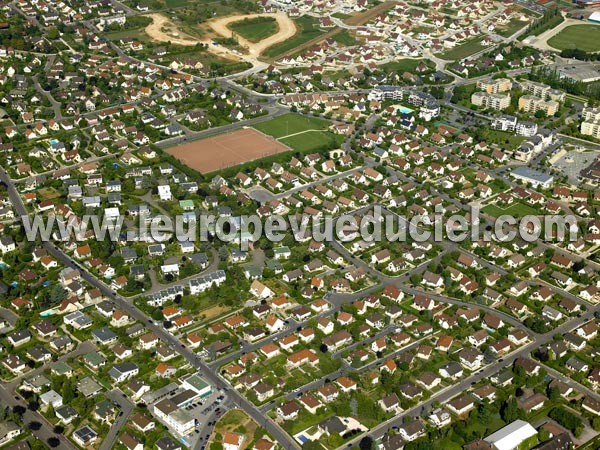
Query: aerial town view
<point x="300" y="224"/>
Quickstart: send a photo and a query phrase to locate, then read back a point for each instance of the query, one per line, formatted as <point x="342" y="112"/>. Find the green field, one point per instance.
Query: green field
<point x="464" y="50"/>
<point x="511" y="27"/>
<point x="256" y="29"/>
<point x="345" y="38"/>
<point x="137" y="33"/>
<point x="582" y="37"/>
<point x="291" y="124"/>
<point x="402" y="65"/>
<point x="312" y="141"/>
<point x="516" y="210"/>
<point x="308" y="28"/>
<point x="175" y="3"/>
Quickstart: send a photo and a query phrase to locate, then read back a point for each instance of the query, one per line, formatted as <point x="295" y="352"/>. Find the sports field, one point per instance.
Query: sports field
<point x="583" y="37"/>
<point x="289" y="124"/>
<point x="226" y="150"/>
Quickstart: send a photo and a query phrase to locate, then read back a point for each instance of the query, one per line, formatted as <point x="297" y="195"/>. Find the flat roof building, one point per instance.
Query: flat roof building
<point x="533" y="177"/>
<point x="511" y="436"/>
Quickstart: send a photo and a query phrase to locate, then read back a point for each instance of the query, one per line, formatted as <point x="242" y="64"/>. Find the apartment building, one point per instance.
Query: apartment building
<point x="543" y="91"/>
<point x="533" y="104"/>
<point x="495" y="86"/>
<point x="491" y="101"/>
<point x="591" y="122"/>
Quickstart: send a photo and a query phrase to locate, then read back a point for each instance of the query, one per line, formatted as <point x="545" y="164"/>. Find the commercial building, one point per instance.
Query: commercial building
<point x="176" y="419"/>
<point x="575" y="70"/>
<point x="595" y="16"/>
<point x="533" y="177"/>
<point x="511" y="436"/>
<point x="197" y="384"/>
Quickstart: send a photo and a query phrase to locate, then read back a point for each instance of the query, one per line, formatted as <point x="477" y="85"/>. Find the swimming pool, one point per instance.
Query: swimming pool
<point x="405" y="110"/>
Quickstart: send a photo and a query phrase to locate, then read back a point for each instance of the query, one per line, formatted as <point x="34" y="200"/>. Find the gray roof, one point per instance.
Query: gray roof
<point x="534" y="175"/>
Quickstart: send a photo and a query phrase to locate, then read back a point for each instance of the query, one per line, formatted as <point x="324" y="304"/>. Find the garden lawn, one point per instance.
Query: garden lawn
<point x="312" y="141"/>
<point x="516" y="210"/>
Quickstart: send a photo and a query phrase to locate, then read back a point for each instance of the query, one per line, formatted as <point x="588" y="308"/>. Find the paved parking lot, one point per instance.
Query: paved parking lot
<point x="573" y="162"/>
<point x="206" y="411"/>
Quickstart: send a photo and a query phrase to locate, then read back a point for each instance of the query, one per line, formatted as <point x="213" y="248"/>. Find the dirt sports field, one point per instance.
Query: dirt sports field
<point x="226" y="150"/>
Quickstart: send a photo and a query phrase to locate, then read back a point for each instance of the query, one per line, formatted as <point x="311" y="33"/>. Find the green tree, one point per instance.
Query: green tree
<point x="510" y="411"/>
<point x="57" y="294"/>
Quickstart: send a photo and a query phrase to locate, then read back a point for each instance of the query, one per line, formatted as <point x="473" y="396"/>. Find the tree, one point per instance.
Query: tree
<point x="53" y="442"/>
<point x="57" y="294"/>
<point x="67" y="392"/>
<point x="510" y="411"/>
<point x="366" y="443"/>
<point x="34" y="426"/>
<point x="554" y="394"/>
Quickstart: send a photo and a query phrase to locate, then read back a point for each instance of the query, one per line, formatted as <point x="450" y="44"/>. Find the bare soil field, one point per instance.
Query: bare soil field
<point x="226" y="150"/>
<point x="162" y="29"/>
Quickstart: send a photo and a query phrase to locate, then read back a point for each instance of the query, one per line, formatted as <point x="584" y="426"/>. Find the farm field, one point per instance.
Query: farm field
<point x="583" y="37"/>
<point x="255" y="29"/>
<point x="290" y="124"/>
